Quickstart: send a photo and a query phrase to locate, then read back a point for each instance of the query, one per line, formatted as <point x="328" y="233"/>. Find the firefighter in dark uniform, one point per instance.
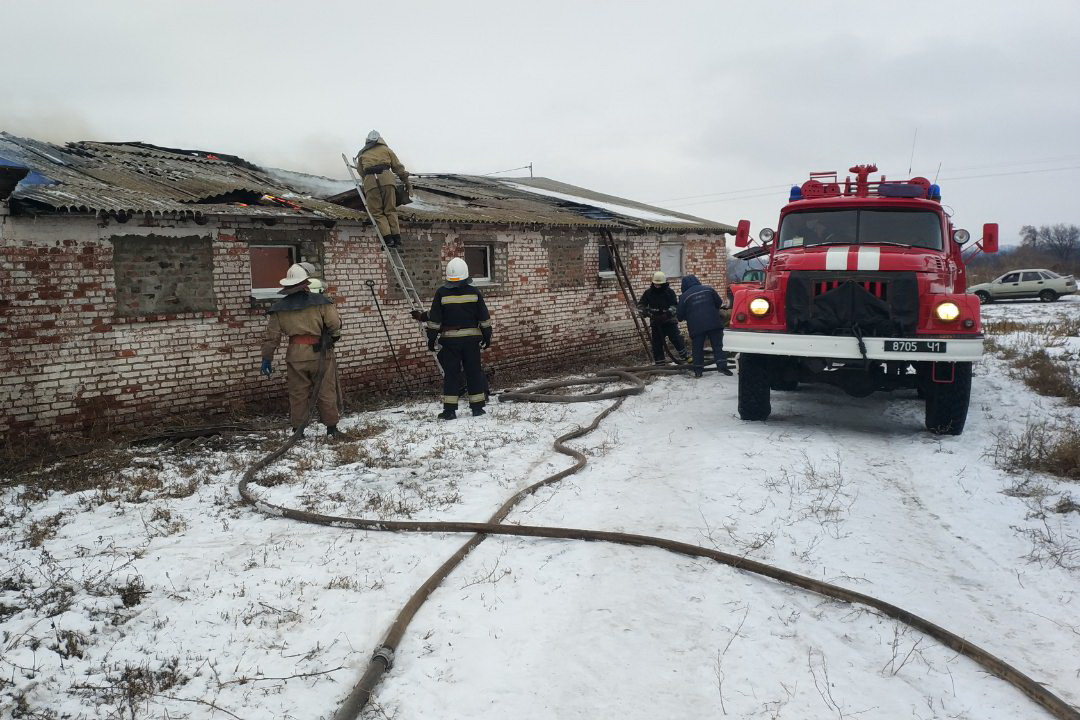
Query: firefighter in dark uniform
<point x="459" y="321"/>
<point x="304" y="316"/>
<point x="658" y="303"/>
<point x="380" y="170"/>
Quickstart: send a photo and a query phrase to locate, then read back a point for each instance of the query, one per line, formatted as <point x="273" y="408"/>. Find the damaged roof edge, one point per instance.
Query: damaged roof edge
<point x="134" y="177"/>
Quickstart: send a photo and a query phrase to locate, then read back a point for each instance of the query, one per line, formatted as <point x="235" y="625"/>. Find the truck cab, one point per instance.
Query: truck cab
<point x="865" y="289"/>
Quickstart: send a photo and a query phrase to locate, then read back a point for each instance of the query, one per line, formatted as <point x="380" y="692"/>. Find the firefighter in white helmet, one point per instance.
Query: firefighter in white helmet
<point x="458" y="320"/>
<point x="308" y="319"/>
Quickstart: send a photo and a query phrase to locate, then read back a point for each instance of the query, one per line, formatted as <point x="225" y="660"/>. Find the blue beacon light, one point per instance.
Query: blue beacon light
<point x="934" y="193"/>
<point x="796" y="193"/>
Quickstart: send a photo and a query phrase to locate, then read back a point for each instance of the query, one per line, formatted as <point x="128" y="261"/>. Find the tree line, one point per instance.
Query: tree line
<point x="1053" y="247"/>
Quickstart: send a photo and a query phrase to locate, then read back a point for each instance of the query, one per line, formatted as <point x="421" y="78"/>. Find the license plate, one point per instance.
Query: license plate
<point x="915" y="346"/>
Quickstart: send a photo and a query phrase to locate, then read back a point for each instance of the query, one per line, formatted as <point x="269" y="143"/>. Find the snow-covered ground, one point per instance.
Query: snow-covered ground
<point x="162" y="596"/>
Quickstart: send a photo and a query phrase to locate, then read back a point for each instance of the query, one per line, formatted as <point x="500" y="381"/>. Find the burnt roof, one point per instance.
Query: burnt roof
<point x="137" y="177"/>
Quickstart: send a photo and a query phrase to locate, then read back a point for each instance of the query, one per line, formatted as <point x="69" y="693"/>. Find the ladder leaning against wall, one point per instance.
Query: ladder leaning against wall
<point x="623" y="278"/>
<point x="393" y="255"/>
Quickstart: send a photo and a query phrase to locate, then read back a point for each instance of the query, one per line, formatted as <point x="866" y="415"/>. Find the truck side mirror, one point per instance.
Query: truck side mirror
<point x="742" y="234"/>
<point x="990" y="238"/>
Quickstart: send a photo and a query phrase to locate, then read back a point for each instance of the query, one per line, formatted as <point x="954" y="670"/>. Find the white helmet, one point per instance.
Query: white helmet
<point x="659" y="278"/>
<point x="374" y="136"/>
<point x="315" y="285"/>
<point x="456" y="270"/>
<point x="296" y="275"/>
<point x="308" y="268"/>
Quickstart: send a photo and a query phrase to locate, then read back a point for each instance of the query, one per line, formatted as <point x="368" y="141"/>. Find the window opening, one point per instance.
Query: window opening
<point x="606" y="263"/>
<point x="478" y="257"/>
<point x="671" y="260"/>
<point x="269" y="263"/>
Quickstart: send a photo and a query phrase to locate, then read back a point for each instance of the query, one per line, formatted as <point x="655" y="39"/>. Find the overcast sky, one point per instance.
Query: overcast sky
<point x="711" y="108"/>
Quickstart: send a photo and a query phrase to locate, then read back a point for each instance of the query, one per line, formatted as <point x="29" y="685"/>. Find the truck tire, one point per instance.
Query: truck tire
<point x="754" y="402"/>
<point x="1048" y="295"/>
<point x="947" y="403"/>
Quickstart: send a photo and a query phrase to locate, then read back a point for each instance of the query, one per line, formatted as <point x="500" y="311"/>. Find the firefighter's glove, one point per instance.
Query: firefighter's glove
<point x="267" y="368"/>
<point x="485" y="337"/>
<point x="418" y="315"/>
<point x="431" y="345"/>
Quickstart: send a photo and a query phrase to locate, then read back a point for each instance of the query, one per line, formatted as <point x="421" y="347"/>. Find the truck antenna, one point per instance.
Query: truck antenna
<point x="937" y="173"/>
<point x="911" y="160"/>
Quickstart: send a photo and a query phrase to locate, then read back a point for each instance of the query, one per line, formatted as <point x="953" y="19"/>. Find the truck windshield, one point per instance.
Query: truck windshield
<point x="910" y="228"/>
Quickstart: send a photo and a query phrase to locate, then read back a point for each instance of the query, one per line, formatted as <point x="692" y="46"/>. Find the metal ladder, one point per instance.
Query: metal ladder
<point x="623" y="278"/>
<point x="397" y="263"/>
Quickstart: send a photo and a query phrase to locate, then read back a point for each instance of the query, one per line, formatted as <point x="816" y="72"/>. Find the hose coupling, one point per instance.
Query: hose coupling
<point x="386" y="655"/>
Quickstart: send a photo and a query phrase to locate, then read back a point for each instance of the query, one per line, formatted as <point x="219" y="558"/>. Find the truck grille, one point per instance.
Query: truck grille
<point x="869" y="304"/>
<point x="877" y="288"/>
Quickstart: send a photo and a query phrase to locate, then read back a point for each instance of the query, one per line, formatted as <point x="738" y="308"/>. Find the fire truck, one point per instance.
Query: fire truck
<point x="864" y="290"/>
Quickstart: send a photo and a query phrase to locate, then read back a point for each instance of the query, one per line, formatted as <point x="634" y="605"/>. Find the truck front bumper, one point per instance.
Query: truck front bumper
<point x="847" y="348"/>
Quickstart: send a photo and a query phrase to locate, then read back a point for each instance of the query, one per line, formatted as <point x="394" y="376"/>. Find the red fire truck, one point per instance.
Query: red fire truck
<point x="865" y="290"/>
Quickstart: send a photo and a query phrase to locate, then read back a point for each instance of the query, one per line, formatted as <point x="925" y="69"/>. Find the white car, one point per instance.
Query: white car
<point x="1046" y="285"/>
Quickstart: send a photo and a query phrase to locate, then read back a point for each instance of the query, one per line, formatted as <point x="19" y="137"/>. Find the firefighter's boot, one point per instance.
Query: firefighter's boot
<point x="478" y="410"/>
<point x="449" y="412"/>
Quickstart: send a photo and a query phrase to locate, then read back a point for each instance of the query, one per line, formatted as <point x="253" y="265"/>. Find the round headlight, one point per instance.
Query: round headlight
<point x="947" y="311"/>
<point x="961" y="236"/>
<point x="766" y="235"/>
<point x="759" y="306"/>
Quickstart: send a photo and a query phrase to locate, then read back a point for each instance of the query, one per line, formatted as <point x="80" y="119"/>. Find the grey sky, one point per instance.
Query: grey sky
<point x="662" y="102"/>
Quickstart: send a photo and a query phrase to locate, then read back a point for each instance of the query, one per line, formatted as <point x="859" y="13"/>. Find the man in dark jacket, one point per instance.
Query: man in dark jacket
<point x="459" y="321"/>
<point x="700" y="307"/>
<point x="306" y="318"/>
<point x="658" y="303"/>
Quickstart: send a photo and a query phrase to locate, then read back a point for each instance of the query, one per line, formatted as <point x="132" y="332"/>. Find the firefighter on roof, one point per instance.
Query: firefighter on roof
<point x="307" y="318"/>
<point x="459" y="321"/>
<point x="380" y="169"/>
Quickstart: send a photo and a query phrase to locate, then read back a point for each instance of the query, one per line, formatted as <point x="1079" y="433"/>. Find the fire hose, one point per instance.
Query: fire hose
<point x="634" y="379"/>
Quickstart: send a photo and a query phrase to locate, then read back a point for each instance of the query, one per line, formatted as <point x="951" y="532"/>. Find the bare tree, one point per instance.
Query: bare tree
<point x="1061" y="241"/>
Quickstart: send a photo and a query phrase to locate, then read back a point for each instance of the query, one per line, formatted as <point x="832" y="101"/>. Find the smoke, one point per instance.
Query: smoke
<point x="55" y="122"/>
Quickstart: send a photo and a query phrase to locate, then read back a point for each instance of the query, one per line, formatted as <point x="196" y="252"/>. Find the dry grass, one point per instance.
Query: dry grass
<point x="1040" y="447"/>
<point x="1049" y="375"/>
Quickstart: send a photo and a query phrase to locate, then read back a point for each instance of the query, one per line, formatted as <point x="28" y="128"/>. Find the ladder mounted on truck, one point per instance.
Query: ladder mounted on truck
<point x="627" y="290"/>
<point x="397" y="263"/>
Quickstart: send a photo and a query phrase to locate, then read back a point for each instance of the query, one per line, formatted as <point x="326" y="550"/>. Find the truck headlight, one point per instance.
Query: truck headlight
<point x="759" y="306"/>
<point x="947" y="311"/>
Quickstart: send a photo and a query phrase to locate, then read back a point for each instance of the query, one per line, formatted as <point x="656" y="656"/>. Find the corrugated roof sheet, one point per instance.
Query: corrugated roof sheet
<point x="136" y="177"/>
<point x="482" y="199"/>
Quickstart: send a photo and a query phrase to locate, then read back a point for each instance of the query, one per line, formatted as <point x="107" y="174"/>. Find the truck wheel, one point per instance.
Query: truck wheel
<point x="984" y="297"/>
<point x="947" y="403"/>
<point x="1048" y="296"/>
<point x="754" y="403"/>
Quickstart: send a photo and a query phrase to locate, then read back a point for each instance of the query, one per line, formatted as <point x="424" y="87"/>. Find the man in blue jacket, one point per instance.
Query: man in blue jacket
<point x="700" y="306"/>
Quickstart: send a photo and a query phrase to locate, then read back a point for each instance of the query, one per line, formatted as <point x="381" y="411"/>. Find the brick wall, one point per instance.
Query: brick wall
<point x="71" y="360"/>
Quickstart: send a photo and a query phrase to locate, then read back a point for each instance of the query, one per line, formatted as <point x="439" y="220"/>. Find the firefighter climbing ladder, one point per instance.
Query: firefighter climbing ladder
<point x="393" y="255"/>
<point x="627" y="289"/>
